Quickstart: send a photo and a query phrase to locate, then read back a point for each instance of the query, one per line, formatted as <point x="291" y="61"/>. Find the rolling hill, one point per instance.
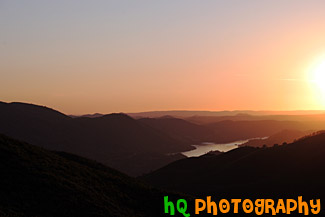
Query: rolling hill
<point x="180" y="129"/>
<point x="284" y="136"/>
<point x="278" y="172"/>
<point x="133" y="146"/>
<point x="36" y="182"/>
<point x="228" y="130"/>
<point x="116" y="140"/>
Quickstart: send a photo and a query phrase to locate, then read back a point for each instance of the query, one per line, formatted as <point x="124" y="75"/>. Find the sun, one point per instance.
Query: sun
<point x="318" y="76"/>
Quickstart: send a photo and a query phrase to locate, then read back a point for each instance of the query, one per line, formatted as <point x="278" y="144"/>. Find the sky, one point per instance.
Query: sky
<point x="129" y="56"/>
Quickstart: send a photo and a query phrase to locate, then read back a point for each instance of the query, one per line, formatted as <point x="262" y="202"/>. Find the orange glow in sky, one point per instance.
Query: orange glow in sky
<point x="130" y="56"/>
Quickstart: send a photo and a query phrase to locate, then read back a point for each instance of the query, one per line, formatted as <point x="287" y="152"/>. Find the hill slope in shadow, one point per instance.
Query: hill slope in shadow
<point x="180" y="129"/>
<point x="37" y="182"/>
<point x="116" y="140"/>
<point x="284" y="136"/>
<point x="228" y="130"/>
<point x="284" y="171"/>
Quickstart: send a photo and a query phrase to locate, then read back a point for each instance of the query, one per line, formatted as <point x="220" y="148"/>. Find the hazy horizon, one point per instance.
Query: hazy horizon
<point x="84" y="57"/>
<point x="189" y="111"/>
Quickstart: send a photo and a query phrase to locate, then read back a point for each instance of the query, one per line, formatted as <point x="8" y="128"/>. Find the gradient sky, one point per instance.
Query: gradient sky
<point x="112" y="56"/>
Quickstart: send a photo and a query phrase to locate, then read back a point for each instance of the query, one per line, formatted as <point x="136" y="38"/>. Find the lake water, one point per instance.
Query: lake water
<point x="209" y="146"/>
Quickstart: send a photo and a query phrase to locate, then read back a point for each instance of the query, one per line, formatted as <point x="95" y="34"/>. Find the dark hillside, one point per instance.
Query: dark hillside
<point x="180" y="129"/>
<point x="283" y="171"/>
<point x="37" y="182"/>
<point x="116" y="140"/>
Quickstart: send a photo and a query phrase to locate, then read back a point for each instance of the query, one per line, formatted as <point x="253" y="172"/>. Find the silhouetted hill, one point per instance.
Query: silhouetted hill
<point x="31" y="111"/>
<point x="285" y="171"/>
<point x="37" y="182"/>
<point x="116" y="140"/>
<point x="185" y="113"/>
<point x="209" y="114"/>
<point x="95" y="115"/>
<point x="180" y="129"/>
<point x="131" y="146"/>
<point x="314" y="119"/>
<point x="228" y="131"/>
<point x="224" y="131"/>
<point x="285" y="136"/>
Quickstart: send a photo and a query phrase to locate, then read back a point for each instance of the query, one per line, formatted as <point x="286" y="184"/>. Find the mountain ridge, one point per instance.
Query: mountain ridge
<point x="116" y="139"/>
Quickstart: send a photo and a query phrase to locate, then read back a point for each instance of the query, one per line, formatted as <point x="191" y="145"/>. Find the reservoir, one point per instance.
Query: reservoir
<point x="206" y="147"/>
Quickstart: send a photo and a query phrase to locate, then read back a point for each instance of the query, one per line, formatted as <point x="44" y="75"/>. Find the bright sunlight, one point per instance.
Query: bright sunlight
<point x="319" y="76"/>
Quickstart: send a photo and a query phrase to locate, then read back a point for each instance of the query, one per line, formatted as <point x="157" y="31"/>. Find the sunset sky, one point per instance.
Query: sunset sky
<point x="129" y="56"/>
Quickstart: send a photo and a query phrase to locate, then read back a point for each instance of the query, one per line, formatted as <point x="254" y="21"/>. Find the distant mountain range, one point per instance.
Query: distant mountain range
<point x="285" y="136"/>
<point x="116" y="139"/>
<point x="95" y="115"/>
<point x="220" y="115"/>
<point x="312" y="118"/>
<point x="185" y="113"/>
<point x="133" y="146"/>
